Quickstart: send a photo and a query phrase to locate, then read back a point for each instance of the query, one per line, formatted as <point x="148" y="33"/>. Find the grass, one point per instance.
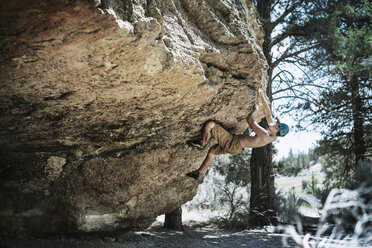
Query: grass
<point x="295" y="182"/>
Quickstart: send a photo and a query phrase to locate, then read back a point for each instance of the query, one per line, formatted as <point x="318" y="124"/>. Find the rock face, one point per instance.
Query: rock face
<point x="98" y="101"/>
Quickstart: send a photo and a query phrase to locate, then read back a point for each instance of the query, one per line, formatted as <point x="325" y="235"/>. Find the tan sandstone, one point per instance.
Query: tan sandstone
<point x="99" y="98"/>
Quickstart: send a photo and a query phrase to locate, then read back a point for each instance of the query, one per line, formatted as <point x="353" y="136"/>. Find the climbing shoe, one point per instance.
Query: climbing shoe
<point x="193" y="174"/>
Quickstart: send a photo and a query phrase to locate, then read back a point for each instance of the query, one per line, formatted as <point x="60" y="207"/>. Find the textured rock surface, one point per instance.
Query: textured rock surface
<point x="98" y="100"/>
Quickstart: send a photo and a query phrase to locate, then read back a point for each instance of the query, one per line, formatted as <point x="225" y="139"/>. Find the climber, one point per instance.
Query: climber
<point x="234" y="144"/>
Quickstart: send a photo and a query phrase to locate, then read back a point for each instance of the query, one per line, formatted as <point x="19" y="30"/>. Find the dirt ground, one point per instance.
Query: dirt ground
<point x="194" y="235"/>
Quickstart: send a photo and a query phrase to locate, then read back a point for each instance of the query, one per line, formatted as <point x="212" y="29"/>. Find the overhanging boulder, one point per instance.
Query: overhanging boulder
<point x="98" y="101"/>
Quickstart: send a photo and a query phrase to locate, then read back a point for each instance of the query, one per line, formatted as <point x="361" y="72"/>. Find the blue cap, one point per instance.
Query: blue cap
<point x="284" y="129"/>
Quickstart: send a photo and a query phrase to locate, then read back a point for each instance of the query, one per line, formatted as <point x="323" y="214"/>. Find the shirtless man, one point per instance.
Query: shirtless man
<point x="234" y="144"/>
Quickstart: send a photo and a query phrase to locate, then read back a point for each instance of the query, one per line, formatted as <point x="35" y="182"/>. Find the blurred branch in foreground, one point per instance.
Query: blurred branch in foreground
<point x="346" y="221"/>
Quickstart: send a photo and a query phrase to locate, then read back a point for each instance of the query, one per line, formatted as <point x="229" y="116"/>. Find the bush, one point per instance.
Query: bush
<point x="226" y="189"/>
<point x="304" y="184"/>
<point x="239" y="220"/>
<point x="288" y="205"/>
<point x="346" y="221"/>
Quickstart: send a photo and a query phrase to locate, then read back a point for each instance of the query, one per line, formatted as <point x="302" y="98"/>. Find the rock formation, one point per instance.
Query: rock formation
<point x="98" y="101"/>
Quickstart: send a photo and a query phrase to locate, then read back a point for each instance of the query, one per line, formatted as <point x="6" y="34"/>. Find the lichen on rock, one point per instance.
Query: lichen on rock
<point x="99" y="98"/>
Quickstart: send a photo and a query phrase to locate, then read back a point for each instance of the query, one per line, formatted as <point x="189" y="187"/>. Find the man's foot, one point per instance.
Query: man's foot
<point x="193" y="174"/>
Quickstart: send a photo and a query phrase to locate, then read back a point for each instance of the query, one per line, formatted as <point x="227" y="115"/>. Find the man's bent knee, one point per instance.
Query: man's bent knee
<point x="210" y="124"/>
<point x="212" y="151"/>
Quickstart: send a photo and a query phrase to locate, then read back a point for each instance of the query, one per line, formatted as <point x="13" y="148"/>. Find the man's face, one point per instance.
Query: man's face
<point x="274" y="127"/>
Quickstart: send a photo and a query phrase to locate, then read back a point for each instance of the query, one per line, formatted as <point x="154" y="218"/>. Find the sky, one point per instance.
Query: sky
<point x="298" y="141"/>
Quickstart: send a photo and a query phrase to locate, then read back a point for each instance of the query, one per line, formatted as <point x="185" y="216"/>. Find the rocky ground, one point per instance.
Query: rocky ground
<point x="194" y="235"/>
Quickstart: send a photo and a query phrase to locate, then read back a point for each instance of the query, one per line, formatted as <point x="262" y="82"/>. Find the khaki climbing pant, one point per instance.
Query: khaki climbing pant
<point x="227" y="143"/>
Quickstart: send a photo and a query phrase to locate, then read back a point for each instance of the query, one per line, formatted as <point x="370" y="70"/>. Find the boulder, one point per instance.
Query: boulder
<point x="98" y="100"/>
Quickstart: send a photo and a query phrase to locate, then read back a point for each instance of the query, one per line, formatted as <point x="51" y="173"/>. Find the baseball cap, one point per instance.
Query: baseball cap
<point x="283" y="128"/>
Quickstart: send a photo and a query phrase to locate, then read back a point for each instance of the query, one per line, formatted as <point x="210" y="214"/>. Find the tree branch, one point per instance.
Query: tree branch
<point x="286" y="54"/>
<point x="280" y="19"/>
<point x="298" y="85"/>
<point x="274" y="5"/>
<point x="315" y="103"/>
<point x="281" y="72"/>
<point x="280" y="37"/>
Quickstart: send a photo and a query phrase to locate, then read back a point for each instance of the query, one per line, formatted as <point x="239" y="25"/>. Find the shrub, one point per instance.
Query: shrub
<point x="288" y="205"/>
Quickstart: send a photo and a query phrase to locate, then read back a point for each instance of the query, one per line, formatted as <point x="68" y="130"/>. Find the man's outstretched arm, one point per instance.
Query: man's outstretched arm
<point x="266" y="108"/>
<point x="253" y="124"/>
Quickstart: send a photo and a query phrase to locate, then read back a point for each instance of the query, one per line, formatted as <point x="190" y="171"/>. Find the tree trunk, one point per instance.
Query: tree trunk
<point x="262" y="187"/>
<point x="358" y="132"/>
<point x="264" y="9"/>
<point x="262" y="177"/>
<point x="173" y="220"/>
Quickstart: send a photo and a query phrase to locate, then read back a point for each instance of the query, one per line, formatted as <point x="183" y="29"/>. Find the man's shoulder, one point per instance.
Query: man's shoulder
<point x="269" y="138"/>
<point x="272" y="138"/>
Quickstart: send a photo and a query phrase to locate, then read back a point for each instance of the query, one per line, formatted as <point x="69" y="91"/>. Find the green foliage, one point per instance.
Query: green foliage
<point x="209" y="193"/>
<point x="340" y="104"/>
<point x="293" y="164"/>
<point x="235" y="168"/>
<point x="345" y="221"/>
<point x="226" y="189"/>
<point x="336" y="178"/>
<point x="362" y="176"/>
<point x="333" y="167"/>
<point x="314" y="188"/>
<point x="240" y="220"/>
<point x="233" y="198"/>
<point x="236" y="171"/>
<point x="289" y="203"/>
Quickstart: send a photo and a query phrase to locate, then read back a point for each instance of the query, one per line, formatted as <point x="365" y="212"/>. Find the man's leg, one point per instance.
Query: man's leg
<point x="207" y="134"/>
<point x="206" y="163"/>
<point x="208" y="160"/>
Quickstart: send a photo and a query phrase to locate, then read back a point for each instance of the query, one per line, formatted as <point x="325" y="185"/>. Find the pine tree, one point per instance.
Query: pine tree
<point x="343" y="108"/>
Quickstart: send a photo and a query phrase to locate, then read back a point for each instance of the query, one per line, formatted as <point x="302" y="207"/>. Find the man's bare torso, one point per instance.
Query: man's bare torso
<point x="253" y="141"/>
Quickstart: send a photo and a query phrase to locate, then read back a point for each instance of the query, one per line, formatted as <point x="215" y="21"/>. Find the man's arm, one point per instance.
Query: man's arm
<point x="253" y="124"/>
<point x="266" y="108"/>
